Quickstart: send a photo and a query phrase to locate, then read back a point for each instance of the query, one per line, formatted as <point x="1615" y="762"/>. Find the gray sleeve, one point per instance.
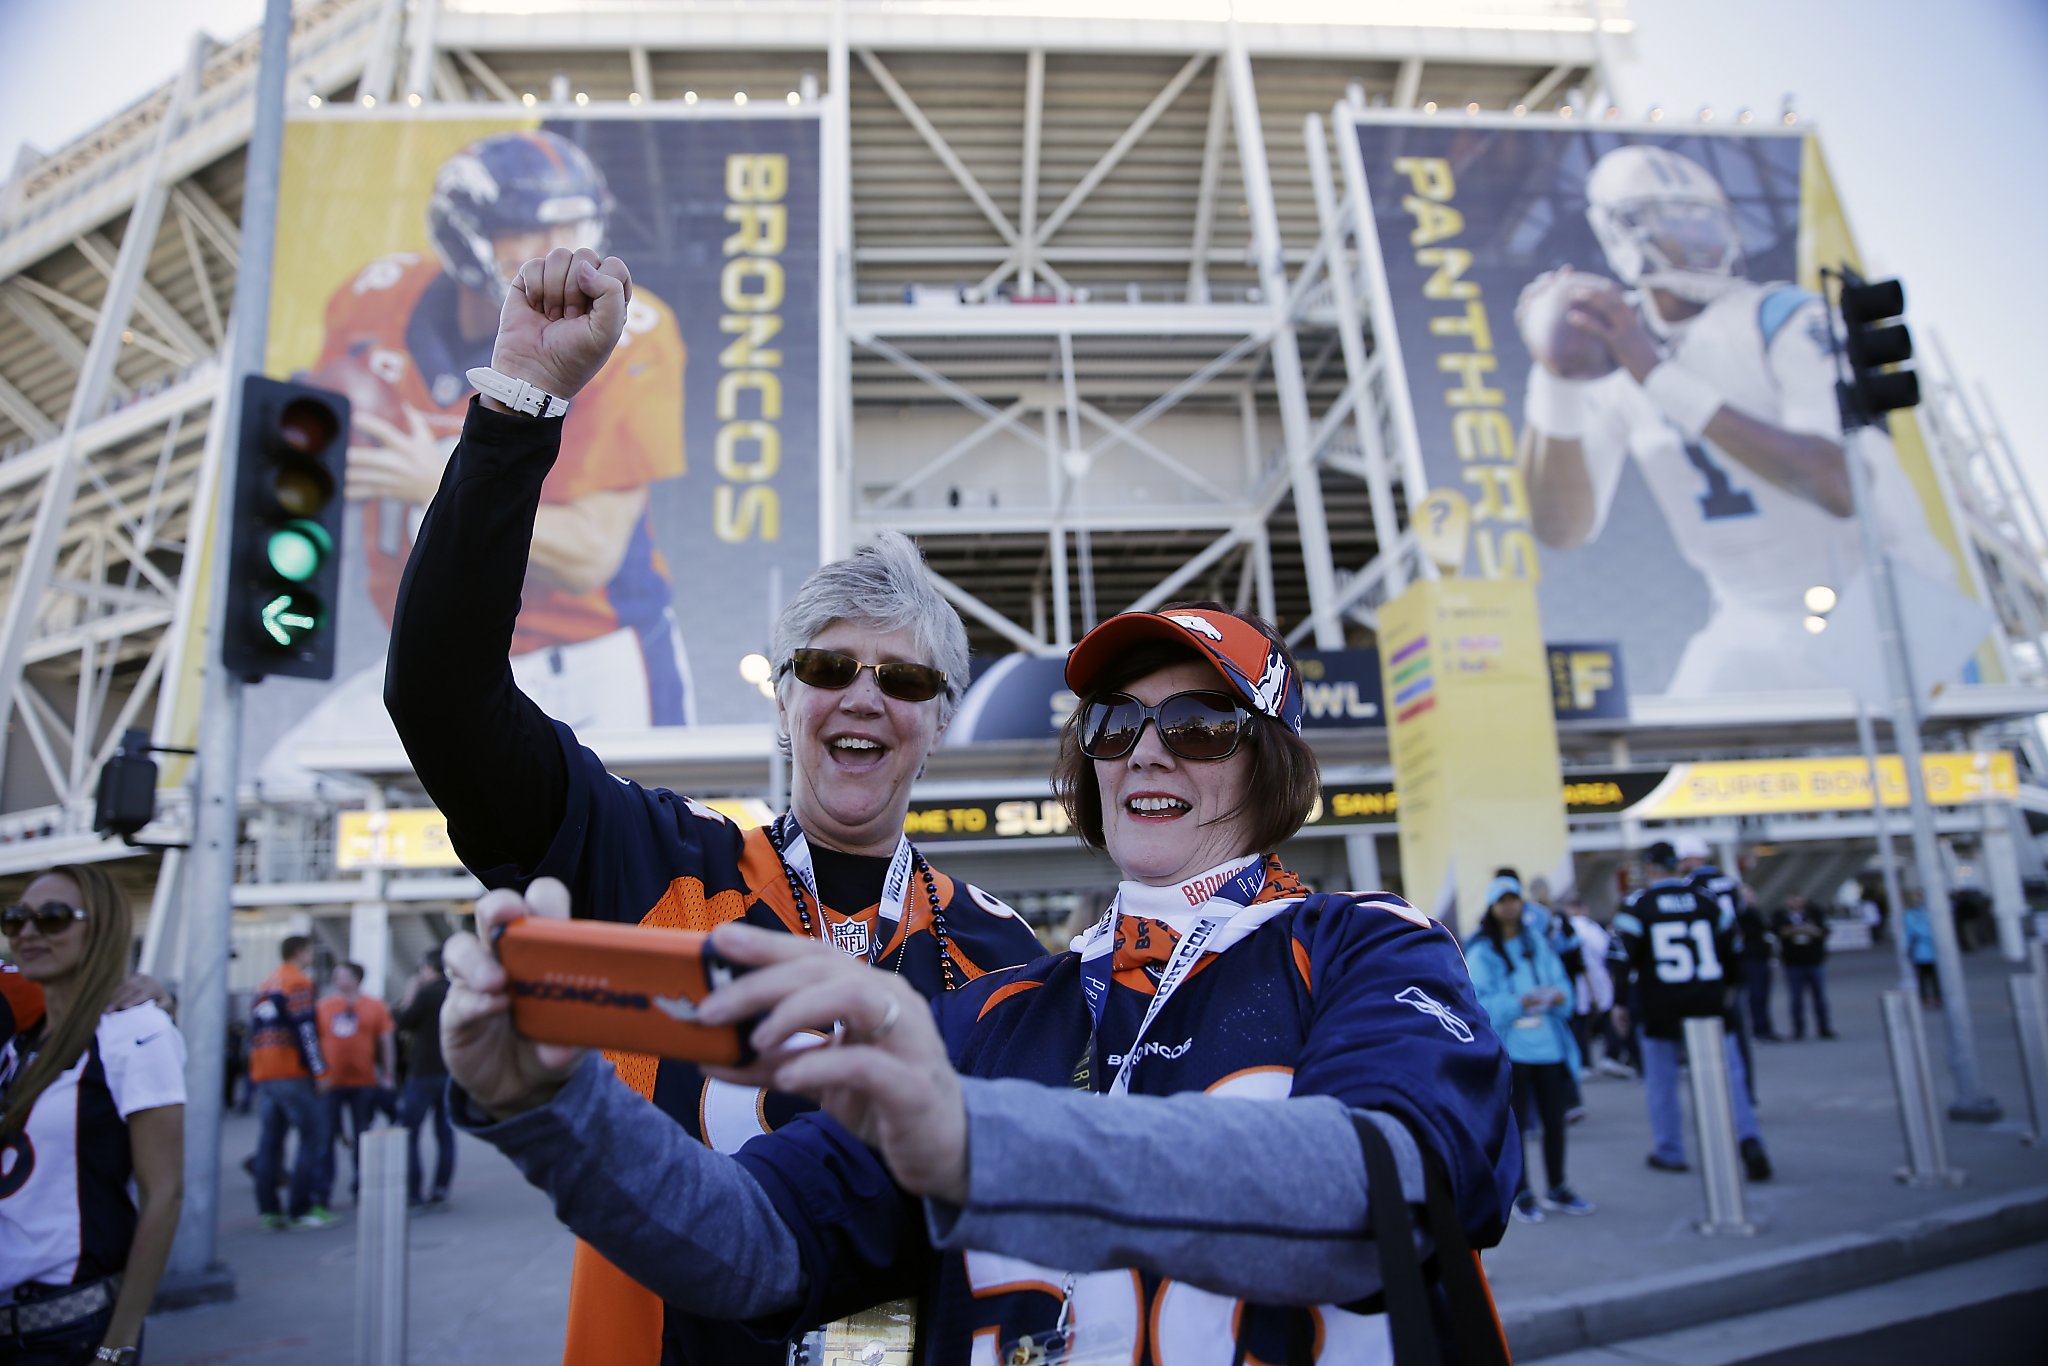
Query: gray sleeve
<point x="1256" y="1199"/>
<point x="688" y="1223"/>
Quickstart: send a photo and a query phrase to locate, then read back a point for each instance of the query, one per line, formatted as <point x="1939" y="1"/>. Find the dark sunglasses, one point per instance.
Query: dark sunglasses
<point x="1193" y="725"/>
<point x="50" y="918"/>
<point x="830" y="669"/>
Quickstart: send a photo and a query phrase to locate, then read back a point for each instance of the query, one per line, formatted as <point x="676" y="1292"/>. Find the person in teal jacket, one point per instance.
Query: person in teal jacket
<point x="1522" y="985"/>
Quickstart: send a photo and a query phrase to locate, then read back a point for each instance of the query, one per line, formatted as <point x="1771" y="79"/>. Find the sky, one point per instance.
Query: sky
<point x="1933" y="117"/>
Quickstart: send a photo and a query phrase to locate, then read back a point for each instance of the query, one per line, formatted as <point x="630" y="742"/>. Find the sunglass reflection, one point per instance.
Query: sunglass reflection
<point x="1192" y="725"/>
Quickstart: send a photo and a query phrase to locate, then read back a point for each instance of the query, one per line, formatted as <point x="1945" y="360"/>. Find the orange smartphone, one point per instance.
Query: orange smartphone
<point x="629" y="988"/>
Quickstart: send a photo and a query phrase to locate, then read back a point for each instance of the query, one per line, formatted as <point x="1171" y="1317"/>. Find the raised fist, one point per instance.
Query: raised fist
<point x="562" y="318"/>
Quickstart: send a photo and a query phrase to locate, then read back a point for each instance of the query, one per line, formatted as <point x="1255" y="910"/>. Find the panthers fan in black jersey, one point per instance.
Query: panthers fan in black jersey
<point x="1676" y="944"/>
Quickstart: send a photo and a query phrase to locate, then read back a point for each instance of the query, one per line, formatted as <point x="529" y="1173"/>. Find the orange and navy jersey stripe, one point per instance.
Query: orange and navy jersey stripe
<point x="284" y="1036"/>
<point x="655" y="858"/>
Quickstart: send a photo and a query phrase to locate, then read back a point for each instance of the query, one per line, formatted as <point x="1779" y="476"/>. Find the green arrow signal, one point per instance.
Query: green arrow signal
<point x="284" y="620"/>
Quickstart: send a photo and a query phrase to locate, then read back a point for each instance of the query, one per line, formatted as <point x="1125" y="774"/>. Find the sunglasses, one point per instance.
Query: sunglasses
<point x="49" y="918"/>
<point x="1193" y="725"/>
<point x="832" y="670"/>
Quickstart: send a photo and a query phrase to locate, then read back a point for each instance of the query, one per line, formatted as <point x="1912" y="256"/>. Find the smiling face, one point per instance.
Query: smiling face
<point x="50" y="958"/>
<point x="1165" y="818"/>
<point x="854" y="752"/>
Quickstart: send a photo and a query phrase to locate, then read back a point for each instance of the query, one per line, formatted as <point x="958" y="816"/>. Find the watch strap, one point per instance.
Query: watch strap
<point x="521" y="396"/>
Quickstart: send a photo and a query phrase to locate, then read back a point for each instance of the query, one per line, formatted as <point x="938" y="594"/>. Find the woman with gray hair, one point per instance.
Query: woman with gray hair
<point x="870" y="662"/>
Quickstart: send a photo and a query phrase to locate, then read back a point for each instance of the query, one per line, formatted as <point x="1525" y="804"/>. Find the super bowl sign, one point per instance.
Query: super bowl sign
<point x="1619" y="385"/>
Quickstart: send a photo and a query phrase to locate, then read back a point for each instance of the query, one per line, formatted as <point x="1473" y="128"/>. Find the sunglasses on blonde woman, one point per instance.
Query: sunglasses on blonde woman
<point x="831" y="670"/>
<point x="49" y="918"/>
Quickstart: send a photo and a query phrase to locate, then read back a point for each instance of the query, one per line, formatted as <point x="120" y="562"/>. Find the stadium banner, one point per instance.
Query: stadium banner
<point x="1765" y="787"/>
<point x="1618" y="386"/>
<point x="1474" y="742"/>
<point x="1023" y="697"/>
<point x="686" y="497"/>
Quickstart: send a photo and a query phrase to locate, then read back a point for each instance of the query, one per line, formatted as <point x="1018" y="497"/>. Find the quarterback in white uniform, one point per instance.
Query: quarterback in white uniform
<point x="1722" y="389"/>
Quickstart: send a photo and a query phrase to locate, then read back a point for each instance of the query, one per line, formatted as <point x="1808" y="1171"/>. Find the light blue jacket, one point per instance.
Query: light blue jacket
<point x="1501" y="983"/>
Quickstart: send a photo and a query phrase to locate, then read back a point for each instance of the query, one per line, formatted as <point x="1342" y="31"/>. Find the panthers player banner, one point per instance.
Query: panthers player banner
<point x="1621" y="388"/>
<point x="687" y="487"/>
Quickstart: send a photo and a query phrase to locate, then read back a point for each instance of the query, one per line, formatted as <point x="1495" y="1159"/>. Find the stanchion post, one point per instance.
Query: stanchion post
<point x="2030" y="1018"/>
<point x="1912" y="1076"/>
<point x="1713" y="1118"/>
<point x="381" y="1249"/>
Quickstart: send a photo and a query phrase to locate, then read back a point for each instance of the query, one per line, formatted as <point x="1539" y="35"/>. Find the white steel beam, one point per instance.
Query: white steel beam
<point x="31" y="287"/>
<point x="1408" y="83"/>
<point x="1286" y="350"/>
<point x="485" y="77"/>
<point x="125" y="284"/>
<point x="448" y="86"/>
<point x="36" y="316"/>
<point x="1124" y="433"/>
<point x="381" y="65"/>
<point x="1027" y="206"/>
<point x="940" y="147"/>
<point x="902" y="487"/>
<point x="207" y="303"/>
<point x="967" y="398"/>
<point x="987" y="615"/>
<point x="157" y="310"/>
<point x="1537" y="95"/>
<point x="424" y="49"/>
<point x="1205" y="195"/>
<point x="25" y="414"/>
<point x="1351" y="336"/>
<point x="1107" y="162"/>
<point x="643" y="71"/>
<point x="1049" y="320"/>
<point x="222" y="233"/>
<point x="1170" y="586"/>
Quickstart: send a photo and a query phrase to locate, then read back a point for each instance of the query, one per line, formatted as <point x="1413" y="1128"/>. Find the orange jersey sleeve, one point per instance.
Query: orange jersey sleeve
<point x="625" y="430"/>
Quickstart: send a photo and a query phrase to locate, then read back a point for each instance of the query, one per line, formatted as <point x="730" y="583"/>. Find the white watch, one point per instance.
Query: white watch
<point x="517" y="394"/>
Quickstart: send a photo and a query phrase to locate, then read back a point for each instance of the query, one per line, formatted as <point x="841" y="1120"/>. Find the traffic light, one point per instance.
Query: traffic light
<point x="126" y="798"/>
<point x="284" y="566"/>
<point x="1878" y="344"/>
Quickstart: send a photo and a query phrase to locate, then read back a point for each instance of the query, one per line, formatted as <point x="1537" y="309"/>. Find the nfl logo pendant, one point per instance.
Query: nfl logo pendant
<point x="851" y="937"/>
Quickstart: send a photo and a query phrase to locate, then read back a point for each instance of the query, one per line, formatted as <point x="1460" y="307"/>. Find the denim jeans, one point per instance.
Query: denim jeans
<point x="1660" y="1084"/>
<point x="348" y="1110"/>
<point x="425" y="1096"/>
<point x="282" y="1105"/>
<point x="1801" y="981"/>
<point x="1756" y="985"/>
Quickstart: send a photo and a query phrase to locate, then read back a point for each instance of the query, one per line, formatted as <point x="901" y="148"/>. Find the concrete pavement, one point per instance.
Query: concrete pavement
<point x="490" y="1275"/>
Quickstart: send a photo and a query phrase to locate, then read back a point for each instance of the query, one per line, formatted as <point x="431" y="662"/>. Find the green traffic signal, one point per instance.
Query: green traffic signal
<point x="289" y="616"/>
<point x="297" y="549"/>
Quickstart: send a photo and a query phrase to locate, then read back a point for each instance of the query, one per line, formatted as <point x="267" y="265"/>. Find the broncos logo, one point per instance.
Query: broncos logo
<point x="1271" y="689"/>
<point x="1429" y="1005"/>
<point x="1201" y="626"/>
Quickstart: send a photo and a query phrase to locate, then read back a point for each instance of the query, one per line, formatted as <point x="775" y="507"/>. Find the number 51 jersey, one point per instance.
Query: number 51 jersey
<point x="1680" y="945"/>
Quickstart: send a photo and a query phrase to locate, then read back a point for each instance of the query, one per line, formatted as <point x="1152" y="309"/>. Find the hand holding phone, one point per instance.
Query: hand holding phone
<point x="628" y="988"/>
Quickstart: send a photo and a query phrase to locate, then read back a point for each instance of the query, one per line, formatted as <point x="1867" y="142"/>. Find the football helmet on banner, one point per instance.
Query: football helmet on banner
<point x="1664" y="223"/>
<point x="522" y="182"/>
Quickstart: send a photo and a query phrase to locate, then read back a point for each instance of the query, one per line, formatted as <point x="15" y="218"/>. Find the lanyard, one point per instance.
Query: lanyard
<point x="796" y="857"/>
<point x="1229" y="905"/>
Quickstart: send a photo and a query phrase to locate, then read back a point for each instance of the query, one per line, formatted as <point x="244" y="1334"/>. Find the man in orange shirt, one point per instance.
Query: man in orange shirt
<point x="361" y="1051"/>
<point x="284" y="1060"/>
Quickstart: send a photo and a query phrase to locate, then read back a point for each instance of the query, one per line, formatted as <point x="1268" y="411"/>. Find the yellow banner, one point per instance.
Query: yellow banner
<point x="1762" y="787"/>
<point x="1474" y="742"/>
<point x="417" y="837"/>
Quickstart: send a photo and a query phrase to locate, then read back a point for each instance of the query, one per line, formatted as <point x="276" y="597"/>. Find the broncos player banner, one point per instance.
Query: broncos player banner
<point x="691" y="460"/>
<point x="1621" y="387"/>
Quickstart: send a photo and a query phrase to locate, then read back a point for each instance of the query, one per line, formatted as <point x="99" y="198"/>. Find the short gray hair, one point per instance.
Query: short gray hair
<point x="882" y="586"/>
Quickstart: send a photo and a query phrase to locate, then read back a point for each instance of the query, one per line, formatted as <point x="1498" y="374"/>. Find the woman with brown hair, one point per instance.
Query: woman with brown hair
<point x="1200" y="1129"/>
<point x="89" y="1103"/>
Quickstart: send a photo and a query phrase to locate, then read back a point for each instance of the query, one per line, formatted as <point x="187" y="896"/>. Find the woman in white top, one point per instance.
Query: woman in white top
<point x="92" y="1133"/>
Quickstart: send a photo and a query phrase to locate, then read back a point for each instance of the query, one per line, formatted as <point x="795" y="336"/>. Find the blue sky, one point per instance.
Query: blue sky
<point x="1934" y="118"/>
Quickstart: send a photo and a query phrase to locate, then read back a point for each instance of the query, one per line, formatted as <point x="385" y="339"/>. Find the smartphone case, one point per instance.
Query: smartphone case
<point x="629" y="988"/>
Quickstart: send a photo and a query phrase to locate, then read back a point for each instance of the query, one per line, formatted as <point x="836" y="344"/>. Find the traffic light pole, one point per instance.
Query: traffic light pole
<point x="1866" y="391"/>
<point x="210" y="869"/>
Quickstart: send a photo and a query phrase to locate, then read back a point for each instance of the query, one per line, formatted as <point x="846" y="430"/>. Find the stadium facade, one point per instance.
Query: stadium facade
<point x="1098" y="324"/>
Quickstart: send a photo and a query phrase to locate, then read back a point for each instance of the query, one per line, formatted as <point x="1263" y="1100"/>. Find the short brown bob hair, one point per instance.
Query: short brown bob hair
<point x="1282" y="787"/>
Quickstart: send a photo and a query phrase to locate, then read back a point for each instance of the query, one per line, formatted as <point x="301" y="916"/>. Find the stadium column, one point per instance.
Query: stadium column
<point x="1287" y="379"/>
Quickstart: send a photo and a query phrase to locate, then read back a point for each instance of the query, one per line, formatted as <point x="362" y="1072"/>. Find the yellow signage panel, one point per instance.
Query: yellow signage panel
<point x="1763" y="787"/>
<point x="418" y="837"/>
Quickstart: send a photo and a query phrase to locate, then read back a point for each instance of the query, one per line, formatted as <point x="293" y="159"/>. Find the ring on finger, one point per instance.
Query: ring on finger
<point x="888" y="1022"/>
